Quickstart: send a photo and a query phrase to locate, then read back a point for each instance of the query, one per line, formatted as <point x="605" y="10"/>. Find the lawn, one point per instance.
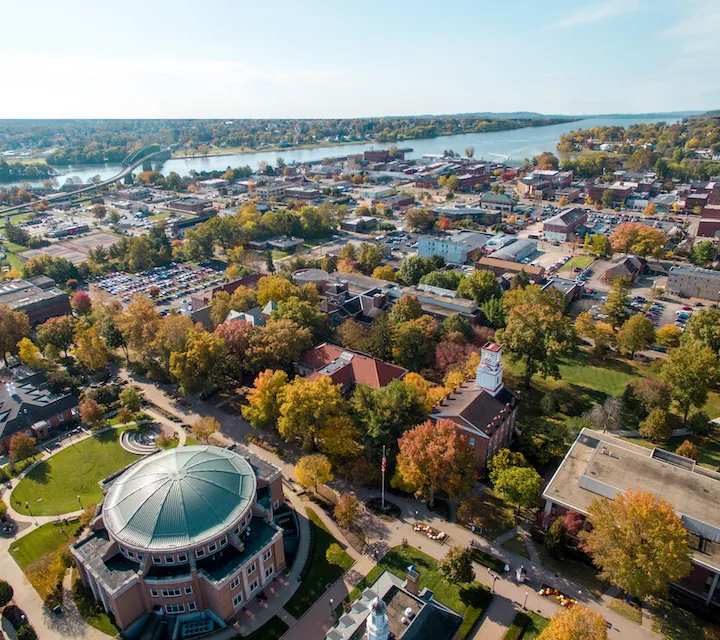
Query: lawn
<point x="469" y="601"/>
<point x="44" y="540"/>
<point x="271" y="630"/>
<point x="630" y="611"/>
<point x="492" y="515"/>
<point x="190" y="441"/>
<point x="585" y="575"/>
<point x="528" y="624"/>
<point x="676" y="623"/>
<point x="318" y="572"/>
<point x="517" y="546"/>
<point x="53" y="486"/>
<point x="91" y="610"/>
<point x="578" y="261"/>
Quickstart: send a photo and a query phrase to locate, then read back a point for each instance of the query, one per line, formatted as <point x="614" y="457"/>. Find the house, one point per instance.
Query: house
<point x="497" y="201"/>
<point x="37" y="297"/>
<point x="27" y="408"/>
<point x="361" y="224"/>
<point x="501" y="267"/>
<point x="694" y="282"/>
<point x="396" y="608"/>
<point x="347" y="368"/>
<point x="625" y="266"/>
<point x="599" y="466"/>
<point x="457" y="248"/>
<point x="184" y="540"/>
<point x="561" y="228"/>
<point x="485" y="411"/>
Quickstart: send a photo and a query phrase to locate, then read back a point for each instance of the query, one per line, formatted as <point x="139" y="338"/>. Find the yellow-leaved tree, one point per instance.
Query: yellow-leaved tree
<point x="576" y="623"/>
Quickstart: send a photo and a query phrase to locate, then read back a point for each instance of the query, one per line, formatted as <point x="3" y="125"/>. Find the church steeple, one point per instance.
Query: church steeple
<point x="489" y="376"/>
<point x="378" y="625"/>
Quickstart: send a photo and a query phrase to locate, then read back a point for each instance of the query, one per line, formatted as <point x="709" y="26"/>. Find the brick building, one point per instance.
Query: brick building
<point x="562" y="226"/>
<point x="38" y="297"/>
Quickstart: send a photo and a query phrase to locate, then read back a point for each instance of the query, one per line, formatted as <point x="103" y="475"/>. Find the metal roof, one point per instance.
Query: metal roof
<point x="179" y="498"/>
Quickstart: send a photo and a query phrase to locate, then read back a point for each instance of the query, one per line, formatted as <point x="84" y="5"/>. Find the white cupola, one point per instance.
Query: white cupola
<point x="378" y="625"/>
<point x="489" y="376"/>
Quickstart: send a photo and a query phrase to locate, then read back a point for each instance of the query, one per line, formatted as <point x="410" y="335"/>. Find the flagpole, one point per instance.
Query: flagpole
<point x="383" y="479"/>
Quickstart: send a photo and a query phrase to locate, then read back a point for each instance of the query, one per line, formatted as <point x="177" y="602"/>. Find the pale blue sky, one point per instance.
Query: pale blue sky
<point x="232" y="59"/>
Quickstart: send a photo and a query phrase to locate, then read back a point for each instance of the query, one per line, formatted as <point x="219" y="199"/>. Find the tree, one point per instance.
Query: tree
<point x="29" y="354"/>
<point x="494" y="312"/>
<point x="480" y="286"/>
<point x="435" y="456"/>
<point x="379" y="343"/>
<point x="371" y="255"/>
<point x="413" y="343"/>
<point x="412" y="269"/>
<point x="203" y="428"/>
<point x="275" y="288"/>
<point x="199" y="366"/>
<point x="354" y="335"/>
<point x="419" y="219"/>
<point x="304" y="314"/>
<point x="655" y="427"/>
<point x="562" y="202"/>
<point x="704" y="326"/>
<point x="617" y="301"/>
<point x="387" y="412"/>
<point x="335" y="555"/>
<point x="81" y="302"/>
<point x="58" y="331"/>
<point x="650" y="210"/>
<point x="636" y="334"/>
<point x="14" y="326"/>
<point x="539" y="337"/>
<point x="6" y="593"/>
<point x="668" y="336"/>
<point x="314" y="413"/>
<point x="607" y="415"/>
<point x="607" y="198"/>
<point x="112" y="336"/>
<point x="576" y="623"/>
<point x="406" y="308"/>
<point x="22" y="446"/>
<point x="691" y="371"/>
<point x="601" y="245"/>
<point x="26" y="632"/>
<point x="457" y="566"/>
<point x="263" y="408"/>
<point x="554" y="542"/>
<point x="312" y="471"/>
<point x="139" y="324"/>
<point x="131" y="398"/>
<point x="639" y="238"/>
<point x="91" y="413"/>
<point x="237" y="335"/>
<point x="520" y="486"/>
<point x="638" y="542"/>
<point x="505" y="459"/>
<point x="91" y="349"/>
<point x="703" y="253"/>
<point x="347" y="510"/>
<point x="384" y="272"/>
<point x="277" y="345"/>
<point x="688" y="450"/>
<point x="470" y="151"/>
<point x="699" y="423"/>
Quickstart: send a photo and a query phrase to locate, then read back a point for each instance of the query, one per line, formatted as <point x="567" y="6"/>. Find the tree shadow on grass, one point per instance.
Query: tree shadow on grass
<point x="106" y="436"/>
<point x="475" y="595"/>
<point x="40" y="474"/>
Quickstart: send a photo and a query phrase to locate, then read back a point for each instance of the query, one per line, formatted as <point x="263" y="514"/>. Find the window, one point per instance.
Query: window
<point x="251" y="569"/>
<point x="234" y="583"/>
<point x="171" y="593"/>
<point x="154" y="593"/>
<point x="175" y="608"/>
<point x="223" y="541"/>
<point x="237" y="600"/>
<point x="268" y="571"/>
<point x="169" y="559"/>
<point x="200" y="553"/>
<point x="61" y="418"/>
<point x="123" y="550"/>
<point x="182" y="557"/>
<point x="276" y="504"/>
<point x="254" y="585"/>
<point x="267" y="555"/>
<point x="236" y="530"/>
<point x="471" y="442"/>
<point x="157" y="560"/>
<point x="140" y="557"/>
<point x="192" y="606"/>
<point x="212" y="547"/>
<point x="188" y="590"/>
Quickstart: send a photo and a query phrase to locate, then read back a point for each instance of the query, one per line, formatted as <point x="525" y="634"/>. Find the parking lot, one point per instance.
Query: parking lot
<point x="163" y="284"/>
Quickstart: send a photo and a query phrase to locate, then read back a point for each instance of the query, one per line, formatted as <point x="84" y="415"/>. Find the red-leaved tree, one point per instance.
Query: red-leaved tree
<point x="81" y="302"/>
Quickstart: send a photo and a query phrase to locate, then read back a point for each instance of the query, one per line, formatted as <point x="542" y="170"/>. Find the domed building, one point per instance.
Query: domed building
<point x="187" y="533"/>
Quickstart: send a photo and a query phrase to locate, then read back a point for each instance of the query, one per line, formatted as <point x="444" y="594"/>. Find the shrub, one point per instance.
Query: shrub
<point x="656" y="428"/>
<point x="549" y="404"/>
<point x="688" y="450"/>
<point x="335" y="554"/>
<point x="555" y="538"/>
<point x="26" y="632"/>
<point x="517" y="628"/>
<point x="6" y="593"/>
<point x="699" y="423"/>
<point x="487" y="560"/>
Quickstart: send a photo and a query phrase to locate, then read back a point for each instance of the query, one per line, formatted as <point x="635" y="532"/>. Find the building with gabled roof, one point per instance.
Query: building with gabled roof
<point x="347" y="368"/>
<point x="484" y="410"/>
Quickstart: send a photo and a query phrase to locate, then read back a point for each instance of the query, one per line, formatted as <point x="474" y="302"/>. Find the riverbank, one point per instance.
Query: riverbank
<point x="238" y="151"/>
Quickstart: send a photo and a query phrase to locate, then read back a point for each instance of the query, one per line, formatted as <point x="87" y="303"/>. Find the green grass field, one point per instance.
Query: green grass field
<point x="321" y="572"/>
<point x="52" y="487"/>
<point x="578" y="261"/>
<point x="629" y="611"/>
<point x="468" y="600"/>
<point x="43" y="541"/>
<point x="535" y="627"/>
<point x="517" y="546"/>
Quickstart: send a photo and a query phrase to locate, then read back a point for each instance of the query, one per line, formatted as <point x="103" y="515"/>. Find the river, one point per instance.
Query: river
<point x="516" y="144"/>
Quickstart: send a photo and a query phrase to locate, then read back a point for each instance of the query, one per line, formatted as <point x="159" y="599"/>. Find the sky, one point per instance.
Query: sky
<point x="290" y="59"/>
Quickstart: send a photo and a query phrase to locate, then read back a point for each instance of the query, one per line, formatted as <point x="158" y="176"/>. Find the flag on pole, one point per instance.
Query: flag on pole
<point x="383" y="464"/>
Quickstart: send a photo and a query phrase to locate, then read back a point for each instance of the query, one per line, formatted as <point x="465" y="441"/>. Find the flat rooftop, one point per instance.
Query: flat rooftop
<point x="600" y="465"/>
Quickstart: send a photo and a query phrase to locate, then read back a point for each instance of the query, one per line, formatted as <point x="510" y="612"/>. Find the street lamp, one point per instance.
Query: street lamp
<point x="79" y="501"/>
<point x="525" y="603"/>
<point x="332" y="609"/>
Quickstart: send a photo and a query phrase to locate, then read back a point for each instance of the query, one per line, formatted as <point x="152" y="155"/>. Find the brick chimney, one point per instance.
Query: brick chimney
<point x="412" y="582"/>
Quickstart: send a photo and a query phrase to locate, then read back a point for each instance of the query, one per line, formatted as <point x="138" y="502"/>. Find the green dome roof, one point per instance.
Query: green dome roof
<point x="179" y="498"/>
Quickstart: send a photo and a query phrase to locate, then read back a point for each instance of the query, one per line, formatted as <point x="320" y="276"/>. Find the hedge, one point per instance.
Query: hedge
<point x="517" y="628"/>
<point x="487" y="560"/>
